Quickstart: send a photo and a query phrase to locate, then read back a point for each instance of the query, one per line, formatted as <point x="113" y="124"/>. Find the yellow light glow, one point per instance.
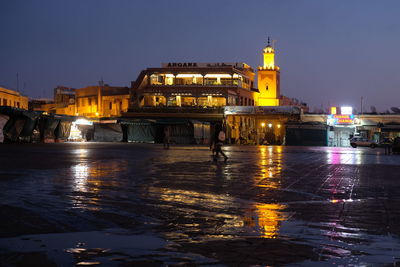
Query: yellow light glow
<point x="270" y="125"/>
<point x="279" y="126"/>
<point x="186" y="75"/>
<point x="97" y="114"/>
<point x="263" y="124"/>
<point x="218" y="75"/>
<point x="268" y="219"/>
<point x="333" y="110"/>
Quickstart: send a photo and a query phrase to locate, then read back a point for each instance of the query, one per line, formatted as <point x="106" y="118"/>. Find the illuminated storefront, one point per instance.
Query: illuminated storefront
<point x="342" y="126"/>
<point x="259" y="125"/>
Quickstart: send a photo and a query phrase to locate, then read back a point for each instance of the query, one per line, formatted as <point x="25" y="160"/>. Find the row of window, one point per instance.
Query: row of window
<point x="196" y="79"/>
<point x="81" y="102"/>
<point x="244" y="101"/>
<point x="185" y="101"/>
<point x="6" y="102"/>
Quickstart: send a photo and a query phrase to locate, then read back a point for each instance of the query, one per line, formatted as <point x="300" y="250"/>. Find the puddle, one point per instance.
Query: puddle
<point x="108" y="248"/>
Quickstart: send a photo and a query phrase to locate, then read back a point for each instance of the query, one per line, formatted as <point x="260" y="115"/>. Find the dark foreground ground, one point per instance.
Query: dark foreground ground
<point x="140" y="205"/>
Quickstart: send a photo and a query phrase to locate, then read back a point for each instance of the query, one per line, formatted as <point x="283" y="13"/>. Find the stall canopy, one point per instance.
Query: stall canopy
<point x="47" y="126"/>
<point x="62" y="131"/>
<point x="140" y="131"/>
<point x="184" y="131"/>
<point x="3" y="121"/>
<point x="306" y="134"/>
<point x="21" y="123"/>
<point x="201" y="132"/>
<point x="107" y="132"/>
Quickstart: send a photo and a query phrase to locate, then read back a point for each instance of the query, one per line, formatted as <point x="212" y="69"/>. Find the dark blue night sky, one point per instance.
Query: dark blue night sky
<point x="330" y="52"/>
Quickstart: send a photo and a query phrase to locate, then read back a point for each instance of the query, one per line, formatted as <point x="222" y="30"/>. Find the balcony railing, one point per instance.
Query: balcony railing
<point x="212" y="110"/>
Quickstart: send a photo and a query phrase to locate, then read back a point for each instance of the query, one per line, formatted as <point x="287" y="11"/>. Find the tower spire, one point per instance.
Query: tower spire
<point x="269" y="42"/>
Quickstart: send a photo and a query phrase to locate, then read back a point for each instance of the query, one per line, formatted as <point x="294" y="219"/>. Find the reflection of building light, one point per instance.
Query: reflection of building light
<point x="90" y="178"/>
<point x="338" y="157"/>
<point x="80" y="174"/>
<point x="82" y="152"/>
<point x="265" y="218"/>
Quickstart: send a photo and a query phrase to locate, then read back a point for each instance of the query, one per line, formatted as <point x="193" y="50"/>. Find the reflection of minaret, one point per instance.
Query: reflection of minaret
<point x="269" y="79"/>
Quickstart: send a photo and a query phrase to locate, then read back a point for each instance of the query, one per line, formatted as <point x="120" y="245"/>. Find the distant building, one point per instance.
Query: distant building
<point x="12" y="98"/>
<point x="42" y="104"/>
<point x="101" y="101"/>
<point x="91" y="101"/>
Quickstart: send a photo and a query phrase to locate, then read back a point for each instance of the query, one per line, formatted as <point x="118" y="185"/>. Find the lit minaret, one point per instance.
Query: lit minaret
<point x="269" y="56"/>
<point x="269" y="79"/>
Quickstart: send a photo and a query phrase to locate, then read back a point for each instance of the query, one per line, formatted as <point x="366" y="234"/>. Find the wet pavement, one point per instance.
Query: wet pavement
<point x="140" y="205"/>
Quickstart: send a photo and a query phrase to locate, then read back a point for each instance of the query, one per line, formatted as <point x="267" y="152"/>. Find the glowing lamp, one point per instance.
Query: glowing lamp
<point x="263" y="124"/>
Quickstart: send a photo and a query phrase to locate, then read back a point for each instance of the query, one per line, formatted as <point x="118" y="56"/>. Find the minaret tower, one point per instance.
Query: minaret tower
<point x="269" y="79"/>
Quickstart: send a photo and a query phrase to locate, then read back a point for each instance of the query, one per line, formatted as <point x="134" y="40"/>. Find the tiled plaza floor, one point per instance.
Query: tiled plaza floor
<point x="141" y="205"/>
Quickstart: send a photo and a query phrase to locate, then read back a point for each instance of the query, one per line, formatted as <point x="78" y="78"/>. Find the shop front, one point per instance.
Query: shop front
<point x="342" y="127"/>
<point x="262" y="125"/>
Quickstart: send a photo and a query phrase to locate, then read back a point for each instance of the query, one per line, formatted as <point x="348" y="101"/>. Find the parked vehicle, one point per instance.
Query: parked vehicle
<point x="362" y="141"/>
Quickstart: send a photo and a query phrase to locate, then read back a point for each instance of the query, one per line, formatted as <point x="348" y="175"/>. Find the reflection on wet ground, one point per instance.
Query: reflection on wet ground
<point x="140" y="205"/>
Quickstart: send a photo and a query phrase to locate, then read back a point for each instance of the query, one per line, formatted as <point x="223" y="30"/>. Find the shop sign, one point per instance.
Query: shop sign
<point x="201" y="65"/>
<point x="182" y="64"/>
<point x="335" y="119"/>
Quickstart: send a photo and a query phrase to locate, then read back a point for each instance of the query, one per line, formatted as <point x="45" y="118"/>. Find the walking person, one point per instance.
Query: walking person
<point x="167" y="137"/>
<point x="218" y="141"/>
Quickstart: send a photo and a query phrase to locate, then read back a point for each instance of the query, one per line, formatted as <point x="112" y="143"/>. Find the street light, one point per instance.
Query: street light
<point x="270" y="125"/>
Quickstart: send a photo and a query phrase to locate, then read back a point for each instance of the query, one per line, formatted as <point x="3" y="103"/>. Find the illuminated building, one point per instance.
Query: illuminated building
<point x="268" y="79"/>
<point x="101" y="101"/>
<point x="12" y="98"/>
<point x="204" y="91"/>
<point x="91" y="101"/>
<point x="194" y="85"/>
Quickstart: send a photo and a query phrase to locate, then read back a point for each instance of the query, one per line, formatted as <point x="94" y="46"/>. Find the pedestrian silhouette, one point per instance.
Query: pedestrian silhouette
<point x="167" y="136"/>
<point x="218" y="141"/>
